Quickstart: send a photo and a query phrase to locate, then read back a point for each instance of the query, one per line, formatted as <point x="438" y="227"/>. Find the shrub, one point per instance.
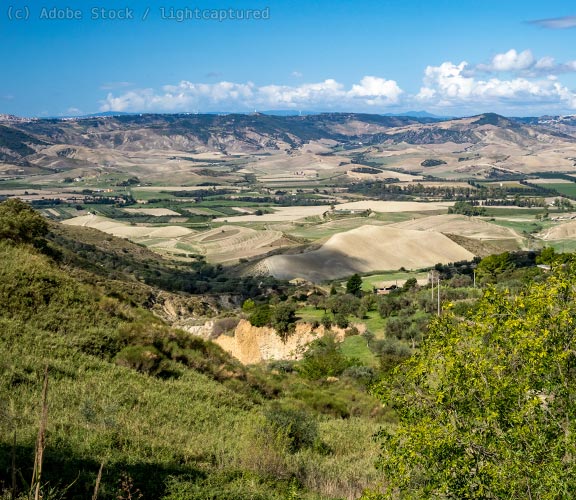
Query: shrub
<point x="324" y="359"/>
<point x="300" y="428"/>
<point x="261" y="316"/>
<point x="145" y="359"/>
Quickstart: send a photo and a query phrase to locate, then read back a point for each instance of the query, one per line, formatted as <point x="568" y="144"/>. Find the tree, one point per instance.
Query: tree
<point x="20" y="223"/>
<point x="354" y="285"/>
<point x="283" y="319"/>
<point x="248" y="305"/>
<point x="465" y="208"/>
<point x="261" y="316"/>
<point x="486" y="406"/>
<point x="489" y="267"/>
<point x="324" y="359"/>
<point x="410" y="284"/>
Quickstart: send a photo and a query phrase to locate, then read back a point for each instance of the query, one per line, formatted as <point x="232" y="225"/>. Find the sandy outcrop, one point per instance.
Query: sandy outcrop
<point x="251" y="344"/>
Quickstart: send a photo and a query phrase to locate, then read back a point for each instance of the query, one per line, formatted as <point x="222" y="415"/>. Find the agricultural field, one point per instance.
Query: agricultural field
<point x="316" y="208"/>
<point x="564" y="188"/>
<point x="366" y="249"/>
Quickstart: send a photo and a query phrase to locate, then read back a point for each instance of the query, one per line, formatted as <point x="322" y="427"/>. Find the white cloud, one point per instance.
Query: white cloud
<point x="513" y="61"/>
<point x="378" y="89"/>
<point x="370" y="94"/>
<point x="454" y="85"/>
<point x="525" y="64"/>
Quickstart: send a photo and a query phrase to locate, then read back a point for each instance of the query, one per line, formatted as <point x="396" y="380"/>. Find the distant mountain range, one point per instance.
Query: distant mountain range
<point x="52" y="142"/>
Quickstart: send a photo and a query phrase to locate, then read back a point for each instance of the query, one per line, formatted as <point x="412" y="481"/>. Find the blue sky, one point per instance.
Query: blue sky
<point x="448" y="57"/>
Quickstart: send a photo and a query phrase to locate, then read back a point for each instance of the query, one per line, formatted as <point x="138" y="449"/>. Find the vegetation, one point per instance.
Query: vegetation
<point x="160" y="413"/>
<point x="486" y="407"/>
<point x="432" y="162"/>
<point x="465" y="208"/>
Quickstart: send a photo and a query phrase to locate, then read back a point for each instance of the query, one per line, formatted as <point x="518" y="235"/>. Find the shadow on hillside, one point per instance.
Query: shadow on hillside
<point x="63" y="469"/>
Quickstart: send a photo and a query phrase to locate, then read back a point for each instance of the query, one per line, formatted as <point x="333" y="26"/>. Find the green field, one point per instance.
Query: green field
<point x="375" y="280"/>
<point x="357" y="347"/>
<point x="567" y="189"/>
<point x="563" y="245"/>
<point x="375" y="324"/>
<point x="513" y="211"/>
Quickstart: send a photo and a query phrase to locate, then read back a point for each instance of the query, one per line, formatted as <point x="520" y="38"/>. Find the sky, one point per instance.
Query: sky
<point x="450" y="58"/>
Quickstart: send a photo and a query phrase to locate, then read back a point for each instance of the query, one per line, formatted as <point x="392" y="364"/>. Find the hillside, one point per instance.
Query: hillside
<point x="96" y="143"/>
<point x="166" y="413"/>
<point x="365" y="249"/>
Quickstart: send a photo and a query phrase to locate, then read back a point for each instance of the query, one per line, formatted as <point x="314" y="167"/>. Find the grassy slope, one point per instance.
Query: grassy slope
<point x="198" y="431"/>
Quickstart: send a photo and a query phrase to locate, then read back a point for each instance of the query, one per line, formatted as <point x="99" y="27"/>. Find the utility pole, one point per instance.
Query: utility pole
<point x="431" y="276"/>
<point x="438" y="294"/>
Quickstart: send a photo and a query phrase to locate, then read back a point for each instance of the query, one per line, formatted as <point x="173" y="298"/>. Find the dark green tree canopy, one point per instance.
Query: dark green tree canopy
<point x="354" y="285"/>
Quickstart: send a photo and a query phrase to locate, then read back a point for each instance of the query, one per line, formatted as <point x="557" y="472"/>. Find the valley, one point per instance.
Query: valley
<point x="222" y="301"/>
<point x="265" y="191"/>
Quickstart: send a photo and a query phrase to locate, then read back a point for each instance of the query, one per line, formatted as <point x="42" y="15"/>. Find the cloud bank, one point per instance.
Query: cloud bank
<point x="512" y="81"/>
<point x="188" y="96"/>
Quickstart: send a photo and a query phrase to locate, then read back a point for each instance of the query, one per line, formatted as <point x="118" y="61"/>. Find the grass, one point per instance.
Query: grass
<point x="310" y="314"/>
<point x="513" y="211"/>
<point x="375" y="324"/>
<point x="375" y="280"/>
<point x="356" y="347"/>
<point x="199" y="428"/>
<point x="520" y="226"/>
<point x="563" y="245"/>
<point x="567" y="189"/>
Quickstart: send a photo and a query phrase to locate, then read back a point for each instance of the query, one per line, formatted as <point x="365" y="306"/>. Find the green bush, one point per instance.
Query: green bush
<point x="299" y="426"/>
<point x="324" y="359"/>
<point x="262" y="316"/>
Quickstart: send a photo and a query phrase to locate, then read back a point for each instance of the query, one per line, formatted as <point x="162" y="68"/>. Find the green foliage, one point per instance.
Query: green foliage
<point x="20" y="223"/>
<point x="354" y="285"/>
<point x="298" y="426"/>
<point x="283" y="318"/>
<point x="486" y="407"/>
<point x="465" y="208"/>
<point x="493" y="265"/>
<point x="326" y="321"/>
<point x="324" y="359"/>
<point x="248" y="305"/>
<point x="262" y="316"/>
<point x="145" y="359"/>
<point x="547" y="256"/>
<point x="410" y="284"/>
<point x="341" y="320"/>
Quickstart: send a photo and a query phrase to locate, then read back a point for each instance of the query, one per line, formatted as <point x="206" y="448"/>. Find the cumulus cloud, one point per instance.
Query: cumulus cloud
<point x="525" y="64"/>
<point x="453" y="84"/>
<point x="557" y="23"/>
<point x="511" y="61"/>
<point x="370" y="93"/>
